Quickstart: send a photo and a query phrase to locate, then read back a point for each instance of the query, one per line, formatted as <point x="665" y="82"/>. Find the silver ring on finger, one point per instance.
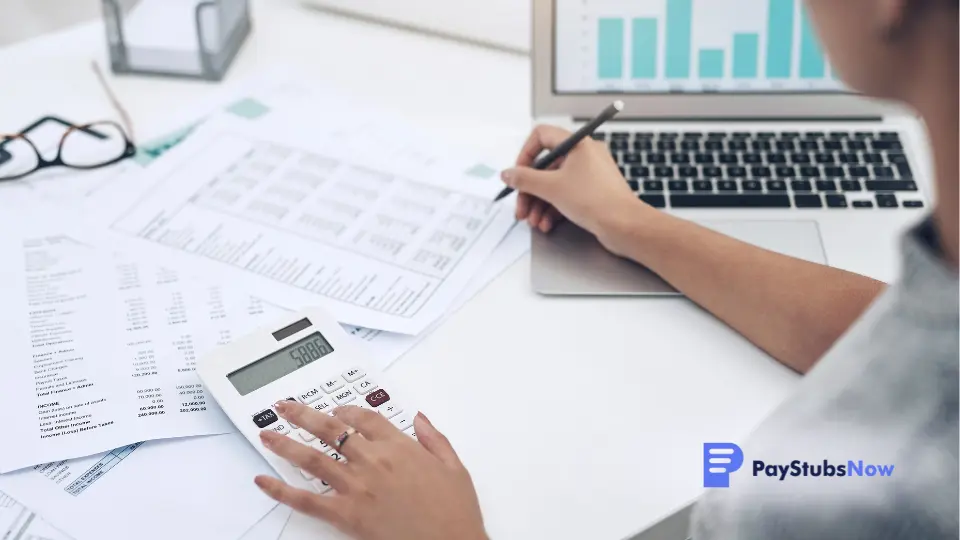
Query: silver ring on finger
<point x="342" y="438"/>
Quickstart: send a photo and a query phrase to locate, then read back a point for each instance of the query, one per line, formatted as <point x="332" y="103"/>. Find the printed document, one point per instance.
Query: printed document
<point x="191" y="488"/>
<point x="306" y="218"/>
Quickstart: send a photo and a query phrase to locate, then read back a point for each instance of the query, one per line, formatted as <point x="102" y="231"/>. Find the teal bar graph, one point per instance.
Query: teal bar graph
<point x="746" y="54"/>
<point x="610" y="48"/>
<point x="812" y="64"/>
<point x="779" y="38"/>
<point x="644" y="53"/>
<point x="678" y="36"/>
<point x="711" y="63"/>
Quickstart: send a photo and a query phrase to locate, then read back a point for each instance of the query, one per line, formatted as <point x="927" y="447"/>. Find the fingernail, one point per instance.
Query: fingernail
<point x="280" y="406"/>
<point x="506" y="176"/>
<point x="261" y="482"/>
<point x="266" y="437"/>
<point x="424" y="418"/>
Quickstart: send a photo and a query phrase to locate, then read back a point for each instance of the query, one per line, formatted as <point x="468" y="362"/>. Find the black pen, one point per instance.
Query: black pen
<point x="566" y="146"/>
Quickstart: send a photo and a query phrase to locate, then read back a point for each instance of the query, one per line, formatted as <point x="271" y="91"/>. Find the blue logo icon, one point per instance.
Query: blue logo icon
<point x="719" y="460"/>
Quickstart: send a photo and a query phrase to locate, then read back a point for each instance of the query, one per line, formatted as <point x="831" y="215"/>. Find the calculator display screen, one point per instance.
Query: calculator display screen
<point x="283" y="362"/>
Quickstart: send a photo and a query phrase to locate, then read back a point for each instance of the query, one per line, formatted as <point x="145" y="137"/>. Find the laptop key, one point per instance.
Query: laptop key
<point x="891" y="185"/>
<point x="599" y="136"/>
<point x="760" y="172"/>
<point x="886" y="145"/>
<point x="785" y="172"/>
<point x="639" y="172"/>
<point x="834" y="171"/>
<point x="850" y="185"/>
<point x="850" y="159"/>
<point x="656" y="201"/>
<point x="712" y="172"/>
<point x="634" y="184"/>
<point x="729" y="159"/>
<point x="652" y="185"/>
<point x="680" y="159"/>
<point x="776" y="185"/>
<point x="833" y="145"/>
<point x="799" y="158"/>
<point x="663" y="172"/>
<point x="889" y="136"/>
<point x="736" y="172"/>
<point x="752" y="185"/>
<point x="913" y="204"/>
<point x="727" y="185"/>
<point x="632" y="158"/>
<point x="752" y="158"/>
<point x="869" y="157"/>
<point x="679" y="185"/>
<point x="826" y="185"/>
<point x="880" y="171"/>
<point x="656" y="158"/>
<point x="835" y="200"/>
<point x="730" y="201"/>
<point x="863" y="204"/>
<point x="904" y="170"/>
<point x="643" y="145"/>
<point x="810" y="172"/>
<point x="856" y="145"/>
<point x="859" y="172"/>
<point x="702" y="185"/>
<point x="887" y="200"/>
<point x="776" y="159"/>
<point x="801" y="186"/>
<point x="704" y="159"/>
<point x="807" y="201"/>
<point x="687" y="172"/>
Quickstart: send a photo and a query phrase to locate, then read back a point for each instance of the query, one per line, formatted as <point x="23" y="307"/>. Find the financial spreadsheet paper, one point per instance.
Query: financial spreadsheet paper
<point x="381" y="237"/>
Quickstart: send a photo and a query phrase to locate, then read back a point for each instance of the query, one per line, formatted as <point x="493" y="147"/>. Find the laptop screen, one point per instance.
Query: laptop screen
<point x="688" y="46"/>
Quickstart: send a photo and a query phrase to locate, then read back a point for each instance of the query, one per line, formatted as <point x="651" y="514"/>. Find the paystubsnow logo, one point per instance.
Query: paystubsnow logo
<point x="722" y="459"/>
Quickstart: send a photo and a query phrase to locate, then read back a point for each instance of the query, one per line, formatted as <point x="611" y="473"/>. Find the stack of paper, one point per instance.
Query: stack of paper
<point x="117" y="280"/>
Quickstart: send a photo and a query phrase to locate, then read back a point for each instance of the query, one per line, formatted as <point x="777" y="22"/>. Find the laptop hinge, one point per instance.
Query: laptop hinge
<point x="688" y="119"/>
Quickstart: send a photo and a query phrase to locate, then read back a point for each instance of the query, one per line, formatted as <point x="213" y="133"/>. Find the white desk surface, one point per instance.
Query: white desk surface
<point x="578" y="418"/>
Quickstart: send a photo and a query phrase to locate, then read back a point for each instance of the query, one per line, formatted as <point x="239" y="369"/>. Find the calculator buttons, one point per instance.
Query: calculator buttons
<point x="332" y="385"/>
<point x="365" y="386"/>
<point x="410" y="431"/>
<point x="323" y="405"/>
<point x="306" y="435"/>
<point x="265" y="418"/>
<point x="378" y="397"/>
<point x="344" y="396"/>
<point x="310" y="396"/>
<point x="353" y="374"/>
<point x="321" y="486"/>
<point x="402" y="422"/>
<point x="389" y="411"/>
<point x="306" y="474"/>
<point x="320" y="445"/>
<point x="282" y="428"/>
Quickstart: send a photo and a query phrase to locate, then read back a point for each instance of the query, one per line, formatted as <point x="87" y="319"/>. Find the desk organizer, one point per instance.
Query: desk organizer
<point x="179" y="38"/>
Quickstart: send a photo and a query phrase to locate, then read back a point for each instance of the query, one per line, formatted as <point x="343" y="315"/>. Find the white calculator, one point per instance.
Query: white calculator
<point x="306" y="357"/>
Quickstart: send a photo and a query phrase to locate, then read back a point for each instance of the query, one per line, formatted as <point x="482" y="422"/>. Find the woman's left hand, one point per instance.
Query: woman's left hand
<point x="391" y="486"/>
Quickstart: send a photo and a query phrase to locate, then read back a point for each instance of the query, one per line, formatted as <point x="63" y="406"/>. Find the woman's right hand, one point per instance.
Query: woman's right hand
<point x="586" y="187"/>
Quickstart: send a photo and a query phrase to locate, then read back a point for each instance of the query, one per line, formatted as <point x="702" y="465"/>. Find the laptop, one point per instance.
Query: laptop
<point x="735" y="119"/>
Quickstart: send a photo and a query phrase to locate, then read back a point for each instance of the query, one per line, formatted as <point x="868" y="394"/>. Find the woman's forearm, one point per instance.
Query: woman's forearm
<point x="792" y="309"/>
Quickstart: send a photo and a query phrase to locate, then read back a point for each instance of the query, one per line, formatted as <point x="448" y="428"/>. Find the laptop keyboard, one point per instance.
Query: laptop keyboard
<point x="838" y="170"/>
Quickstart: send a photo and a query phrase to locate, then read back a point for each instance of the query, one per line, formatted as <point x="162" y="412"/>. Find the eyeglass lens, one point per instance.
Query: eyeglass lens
<point x="95" y="145"/>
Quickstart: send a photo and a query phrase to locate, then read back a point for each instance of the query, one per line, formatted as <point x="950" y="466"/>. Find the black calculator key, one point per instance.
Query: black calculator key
<point x="886" y="200"/>
<point x="736" y="172"/>
<point x="850" y="185"/>
<point x="680" y="159"/>
<point x="880" y="171"/>
<point x="704" y="159"/>
<point x="726" y="185"/>
<point x="632" y="158"/>
<point x="752" y="185"/>
<point x="760" y="172"/>
<point x="656" y="201"/>
<point x="634" y="184"/>
<point x="654" y="158"/>
<point x="265" y="418"/>
<point x="639" y="172"/>
<point x="913" y="204"/>
<point x="801" y="186"/>
<point x="643" y="145"/>
<point x="702" y="185"/>
<point x="826" y="185"/>
<point x="785" y="172"/>
<point x="891" y="185"/>
<point x="835" y="200"/>
<point x="678" y="185"/>
<point x="863" y="204"/>
<point x="653" y="185"/>
<point x="730" y="201"/>
<point x="752" y="158"/>
<point x="810" y="172"/>
<point x="663" y="172"/>
<point x="687" y="172"/>
<point x="729" y="159"/>
<point x="776" y="185"/>
<point x="807" y="201"/>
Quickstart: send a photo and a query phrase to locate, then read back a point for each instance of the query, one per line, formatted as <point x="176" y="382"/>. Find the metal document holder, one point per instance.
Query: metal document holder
<point x="220" y="27"/>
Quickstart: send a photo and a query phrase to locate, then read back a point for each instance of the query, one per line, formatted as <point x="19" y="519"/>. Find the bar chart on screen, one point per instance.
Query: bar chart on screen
<point x="689" y="46"/>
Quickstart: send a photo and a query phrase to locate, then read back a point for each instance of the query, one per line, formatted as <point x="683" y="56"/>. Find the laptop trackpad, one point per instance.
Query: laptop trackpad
<point x="570" y="261"/>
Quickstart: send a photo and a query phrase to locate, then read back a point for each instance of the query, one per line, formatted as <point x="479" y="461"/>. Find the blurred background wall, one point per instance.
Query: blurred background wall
<point x="23" y="19"/>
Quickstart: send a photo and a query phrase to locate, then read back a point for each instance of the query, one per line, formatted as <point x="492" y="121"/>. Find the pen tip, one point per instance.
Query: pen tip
<point x="618" y="105"/>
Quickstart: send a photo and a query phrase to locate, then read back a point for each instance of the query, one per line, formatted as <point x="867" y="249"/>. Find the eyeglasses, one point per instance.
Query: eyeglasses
<point x="84" y="146"/>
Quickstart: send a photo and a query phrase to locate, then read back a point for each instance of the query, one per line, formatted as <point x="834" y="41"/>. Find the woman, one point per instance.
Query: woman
<point x="884" y="387"/>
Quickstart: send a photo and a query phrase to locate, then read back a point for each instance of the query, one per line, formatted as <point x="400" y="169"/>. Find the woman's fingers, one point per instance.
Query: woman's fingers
<point x="310" y="459"/>
<point x="324" y="426"/>
<point x="551" y="217"/>
<point x="542" y="137"/>
<point x="325" y="507"/>
<point x="434" y="441"/>
<point x="371" y="424"/>
<point x="536" y="212"/>
<point x="523" y="205"/>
